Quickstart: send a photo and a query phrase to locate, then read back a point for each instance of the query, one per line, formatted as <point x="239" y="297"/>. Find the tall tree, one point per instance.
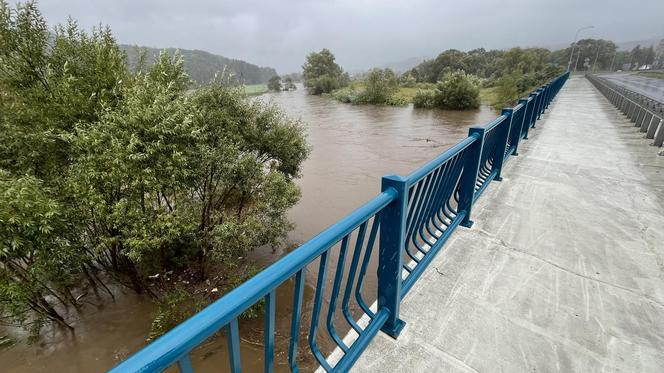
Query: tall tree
<point x="322" y="74"/>
<point x="274" y="84"/>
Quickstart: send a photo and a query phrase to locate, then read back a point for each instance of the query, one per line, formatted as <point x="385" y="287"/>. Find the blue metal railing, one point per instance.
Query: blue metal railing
<point x="411" y="219"/>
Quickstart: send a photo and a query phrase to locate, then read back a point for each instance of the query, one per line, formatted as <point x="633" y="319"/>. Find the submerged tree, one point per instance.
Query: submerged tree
<point x="288" y="84"/>
<point x="456" y="91"/>
<point x="322" y="74"/>
<point x="274" y="84"/>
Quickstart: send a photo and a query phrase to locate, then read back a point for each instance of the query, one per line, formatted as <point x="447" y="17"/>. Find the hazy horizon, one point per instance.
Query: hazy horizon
<point x="361" y="34"/>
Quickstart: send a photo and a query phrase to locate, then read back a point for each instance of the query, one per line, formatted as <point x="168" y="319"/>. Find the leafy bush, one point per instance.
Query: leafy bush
<point x="321" y="74"/>
<point x="380" y="87"/>
<point x="381" y="84"/>
<point x="425" y="99"/>
<point x="456" y="91"/>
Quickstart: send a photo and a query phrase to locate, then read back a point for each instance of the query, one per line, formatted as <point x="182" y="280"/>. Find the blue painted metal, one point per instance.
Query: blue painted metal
<point x="268" y="330"/>
<point x="392" y="234"/>
<point x="233" y="339"/>
<point x="415" y="215"/>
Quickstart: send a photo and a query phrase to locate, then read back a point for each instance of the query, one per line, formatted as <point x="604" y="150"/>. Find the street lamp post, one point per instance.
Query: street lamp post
<point x="613" y="60"/>
<point x="576" y="36"/>
<point x="596" y="56"/>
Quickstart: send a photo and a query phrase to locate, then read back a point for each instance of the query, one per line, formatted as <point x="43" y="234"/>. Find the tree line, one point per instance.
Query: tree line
<point x="115" y="177"/>
<point x="455" y="79"/>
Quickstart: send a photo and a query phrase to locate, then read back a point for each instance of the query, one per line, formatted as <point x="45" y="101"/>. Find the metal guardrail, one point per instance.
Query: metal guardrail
<point x="646" y="113"/>
<point x="411" y="219"/>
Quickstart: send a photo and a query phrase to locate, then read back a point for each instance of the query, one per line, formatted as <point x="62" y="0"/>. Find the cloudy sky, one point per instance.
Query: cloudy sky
<point x="361" y="33"/>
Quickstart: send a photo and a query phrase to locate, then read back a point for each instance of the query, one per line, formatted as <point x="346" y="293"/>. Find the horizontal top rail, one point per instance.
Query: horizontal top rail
<point x="495" y="122"/>
<point x="449" y="153"/>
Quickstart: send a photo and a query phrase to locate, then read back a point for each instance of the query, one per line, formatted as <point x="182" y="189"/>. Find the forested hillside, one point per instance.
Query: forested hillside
<point x="201" y="65"/>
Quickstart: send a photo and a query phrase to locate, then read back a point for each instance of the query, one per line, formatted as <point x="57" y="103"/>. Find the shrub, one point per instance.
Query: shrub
<point x="381" y="84"/>
<point x="321" y="74"/>
<point x="424" y="99"/>
<point x="457" y="91"/>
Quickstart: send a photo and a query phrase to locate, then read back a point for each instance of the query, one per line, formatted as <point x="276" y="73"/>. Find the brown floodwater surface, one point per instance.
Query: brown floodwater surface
<point x="352" y="147"/>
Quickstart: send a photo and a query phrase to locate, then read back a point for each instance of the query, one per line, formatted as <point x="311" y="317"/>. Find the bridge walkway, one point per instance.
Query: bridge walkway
<point x="564" y="267"/>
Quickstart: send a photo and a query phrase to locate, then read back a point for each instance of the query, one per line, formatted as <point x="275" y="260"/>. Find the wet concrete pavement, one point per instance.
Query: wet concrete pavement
<point x="563" y="270"/>
<point x="650" y="87"/>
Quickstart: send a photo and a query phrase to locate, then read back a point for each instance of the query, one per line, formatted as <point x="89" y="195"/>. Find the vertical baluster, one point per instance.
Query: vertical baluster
<point x="270" y="310"/>
<point x="233" y="336"/>
<point x="365" y="263"/>
<point x="298" y="292"/>
<point x="315" y="315"/>
<point x="184" y="364"/>
<point x="359" y="242"/>
<point x="339" y="274"/>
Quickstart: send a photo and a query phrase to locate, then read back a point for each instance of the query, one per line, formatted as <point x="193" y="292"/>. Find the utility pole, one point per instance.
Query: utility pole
<point x="613" y="60"/>
<point x="576" y="36"/>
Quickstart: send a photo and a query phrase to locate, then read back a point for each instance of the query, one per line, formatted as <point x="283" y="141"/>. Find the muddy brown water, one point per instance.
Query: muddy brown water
<point x="353" y="146"/>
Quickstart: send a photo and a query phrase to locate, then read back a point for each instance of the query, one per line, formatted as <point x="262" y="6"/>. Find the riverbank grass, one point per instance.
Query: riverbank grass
<point x="254" y="89"/>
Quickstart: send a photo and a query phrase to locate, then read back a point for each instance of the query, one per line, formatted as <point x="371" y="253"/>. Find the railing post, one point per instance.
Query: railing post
<point x="469" y="177"/>
<point x="540" y="104"/>
<point x="391" y="248"/>
<point x="527" y="105"/>
<point x="501" y="148"/>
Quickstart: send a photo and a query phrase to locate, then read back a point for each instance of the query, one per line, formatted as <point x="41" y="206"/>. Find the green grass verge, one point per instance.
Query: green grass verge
<point x="254" y="89"/>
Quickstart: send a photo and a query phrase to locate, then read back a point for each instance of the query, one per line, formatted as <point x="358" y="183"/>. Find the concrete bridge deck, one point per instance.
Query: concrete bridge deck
<point x="564" y="267"/>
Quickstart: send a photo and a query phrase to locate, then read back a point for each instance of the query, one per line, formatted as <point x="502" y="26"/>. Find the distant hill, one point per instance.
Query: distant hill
<point x="202" y="66"/>
<point x="629" y="45"/>
<point x="405" y="65"/>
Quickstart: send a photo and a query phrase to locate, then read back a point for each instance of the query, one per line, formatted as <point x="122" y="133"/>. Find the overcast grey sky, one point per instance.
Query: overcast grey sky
<point x="361" y="33"/>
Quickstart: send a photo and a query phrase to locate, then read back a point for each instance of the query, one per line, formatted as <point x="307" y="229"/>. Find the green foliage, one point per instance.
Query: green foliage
<point x="174" y="307"/>
<point x="379" y="87"/>
<point x="407" y="80"/>
<point x="381" y="84"/>
<point x="456" y="91"/>
<point x="484" y="64"/>
<point x="129" y="173"/>
<point x="512" y="86"/>
<point x="321" y="74"/>
<point x="425" y="98"/>
<point x="274" y="84"/>
<point x="39" y="255"/>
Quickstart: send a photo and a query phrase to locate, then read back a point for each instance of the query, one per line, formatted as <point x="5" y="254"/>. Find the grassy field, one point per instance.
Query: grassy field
<point x="653" y="74"/>
<point x="255" y="89"/>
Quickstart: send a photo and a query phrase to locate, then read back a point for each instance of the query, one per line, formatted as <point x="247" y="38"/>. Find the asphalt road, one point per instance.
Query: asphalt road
<point x="651" y="87"/>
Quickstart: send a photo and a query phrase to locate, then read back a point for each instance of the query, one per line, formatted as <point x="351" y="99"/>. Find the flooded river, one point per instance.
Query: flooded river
<point x="353" y="146"/>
